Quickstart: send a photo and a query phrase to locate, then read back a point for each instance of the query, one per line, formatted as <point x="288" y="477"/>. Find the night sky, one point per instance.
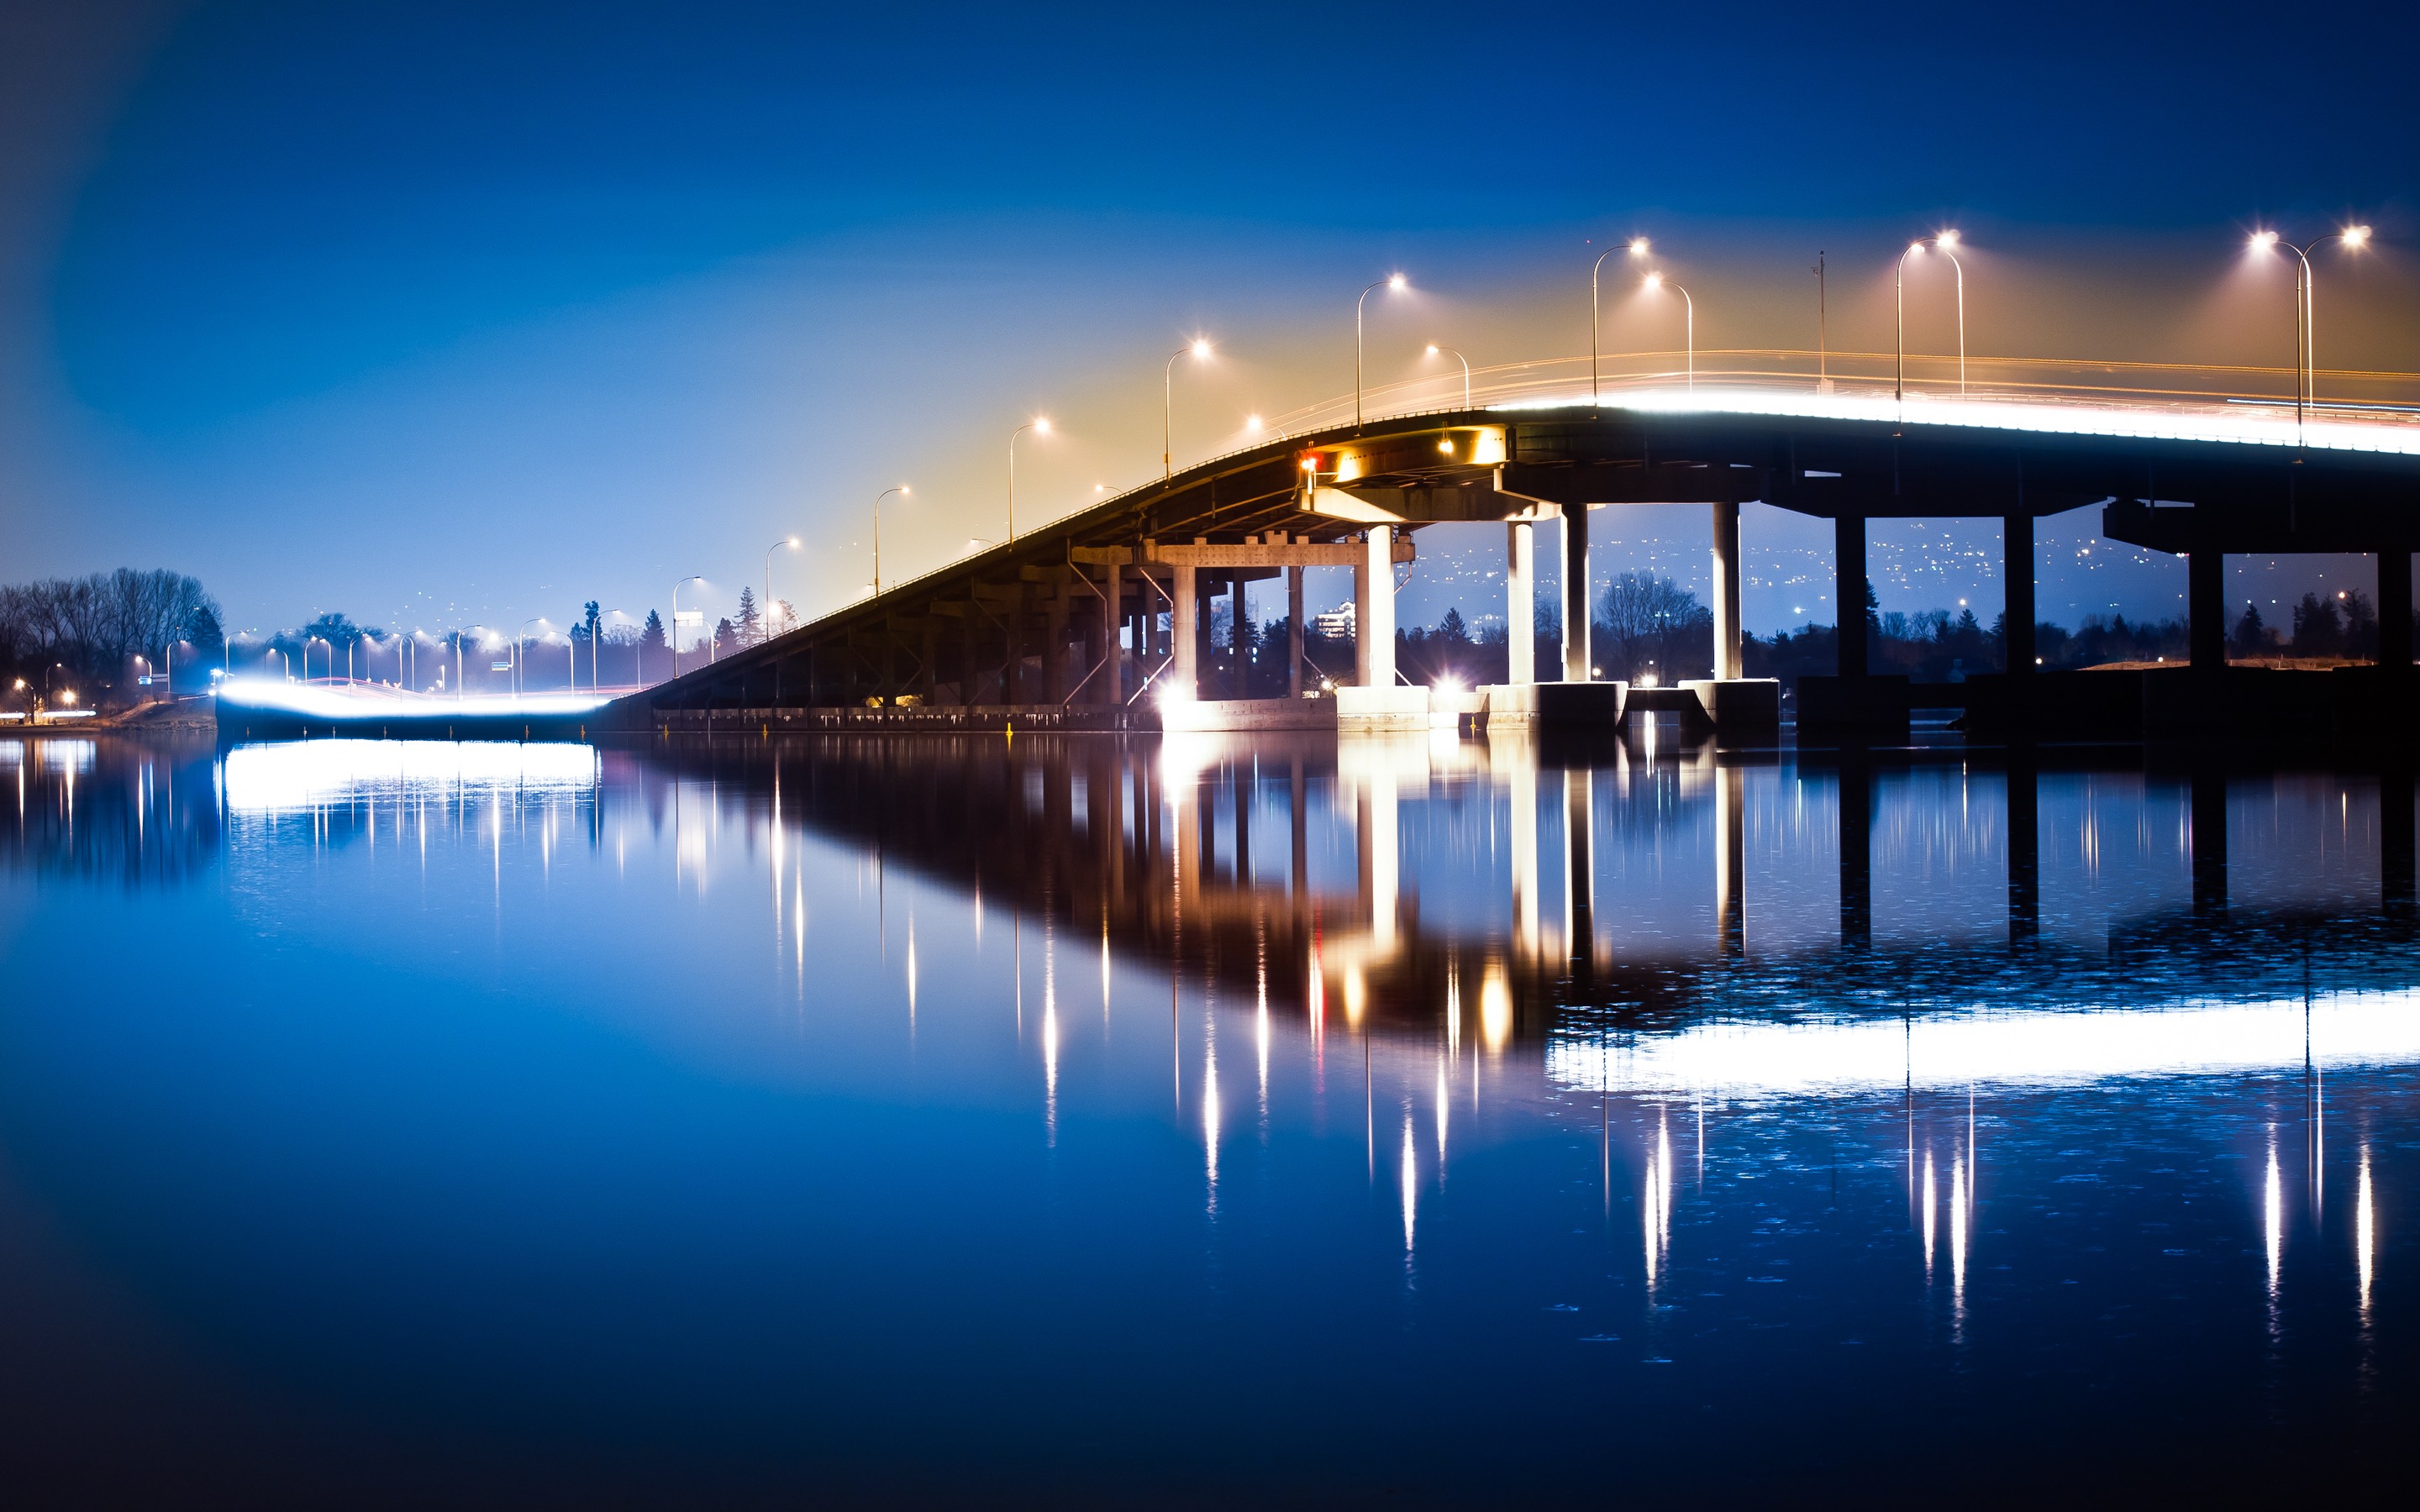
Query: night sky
<point x="440" y="313"/>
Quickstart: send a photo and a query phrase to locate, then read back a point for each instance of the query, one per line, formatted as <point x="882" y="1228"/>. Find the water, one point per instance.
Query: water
<point x="893" y="1121"/>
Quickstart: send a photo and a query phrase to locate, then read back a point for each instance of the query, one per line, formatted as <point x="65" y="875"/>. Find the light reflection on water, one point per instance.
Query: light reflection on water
<point x="576" y="1097"/>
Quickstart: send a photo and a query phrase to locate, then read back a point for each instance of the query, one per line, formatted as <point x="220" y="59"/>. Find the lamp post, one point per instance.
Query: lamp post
<point x="765" y="610"/>
<point x="1199" y="347"/>
<point x="902" y="492"/>
<point x="1946" y="242"/>
<point x="1040" y="425"/>
<point x="1435" y="349"/>
<point x="516" y="651"/>
<point x="692" y="577"/>
<point x="1392" y="281"/>
<point x="307" y="659"/>
<point x="1689" y="309"/>
<point x="226" y="651"/>
<point x="2306" y="376"/>
<point x="1638" y="248"/>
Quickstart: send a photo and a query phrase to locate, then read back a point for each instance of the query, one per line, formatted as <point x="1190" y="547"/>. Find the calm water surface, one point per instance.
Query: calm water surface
<point x="1423" y="1121"/>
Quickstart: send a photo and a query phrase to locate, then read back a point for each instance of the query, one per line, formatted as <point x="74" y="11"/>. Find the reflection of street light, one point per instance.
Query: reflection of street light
<point x="1040" y="425"/>
<point x="1201" y="349"/>
<point x="902" y="492"/>
<point x="1395" y="281"/>
<point x="1946" y="242"/>
<point x="1638" y="248"/>
<point x="1656" y="281"/>
<point x="2306" y="374"/>
<point x="1435" y="349"/>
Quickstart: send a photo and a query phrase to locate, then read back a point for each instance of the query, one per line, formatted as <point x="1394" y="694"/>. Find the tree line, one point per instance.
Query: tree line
<point x="101" y="632"/>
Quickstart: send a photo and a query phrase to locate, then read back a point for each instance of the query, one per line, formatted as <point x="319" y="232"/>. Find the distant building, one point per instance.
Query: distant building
<point x="1336" y="624"/>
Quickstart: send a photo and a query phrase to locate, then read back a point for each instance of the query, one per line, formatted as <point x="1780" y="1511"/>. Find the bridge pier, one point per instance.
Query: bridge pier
<point x="2205" y="608"/>
<point x="1183" y="678"/>
<point x="2017" y="572"/>
<point x="1727" y="661"/>
<point x="1374" y="611"/>
<point x="1576" y="665"/>
<point x="2395" y="610"/>
<point x="1849" y="592"/>
<point x="1520" y="611"/>
<point x="1294" y="632"/>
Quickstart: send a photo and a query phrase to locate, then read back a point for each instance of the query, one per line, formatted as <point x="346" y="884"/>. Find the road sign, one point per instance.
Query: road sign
<point x="689" y="616"/>
<point x="500" y="665"/>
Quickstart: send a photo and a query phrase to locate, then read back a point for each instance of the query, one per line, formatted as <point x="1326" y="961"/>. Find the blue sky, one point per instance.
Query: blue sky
<point x="438" y="313"/>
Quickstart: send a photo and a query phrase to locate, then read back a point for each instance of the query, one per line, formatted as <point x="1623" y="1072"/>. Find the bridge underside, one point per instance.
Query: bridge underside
<point x="1104" y="614"/>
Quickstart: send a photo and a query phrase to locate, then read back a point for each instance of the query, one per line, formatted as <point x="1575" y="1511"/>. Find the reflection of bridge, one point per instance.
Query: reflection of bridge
<point x="1202" y="856"/>
<point x="1100" y="620"/>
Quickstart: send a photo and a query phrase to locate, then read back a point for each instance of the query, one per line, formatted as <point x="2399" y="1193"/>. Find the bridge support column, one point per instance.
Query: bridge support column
<point x="2206" y="608"/>
<point x="970" y="657"/>
<point x="2395" y="610"/>
<point x="2017" y="572"/>
<point x="1728" y="660"/>
<point x="1520" y="604"/>
<point x="1183" y="679"/>
<point x="1108" y="677"/>
<point x="1374" y="628"/>
<point x="1294" y="632"/>
<point x="1054" y="646"/>
<point x="1578" y="668"/>
<point x="1849" y="592"/>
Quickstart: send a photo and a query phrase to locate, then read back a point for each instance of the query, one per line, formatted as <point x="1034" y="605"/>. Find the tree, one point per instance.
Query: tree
<point x="651" y="635"/>
<point x="726" y="635"/>
<point x="2318" y="631"/>
<point x="2361" y="625"/>
<point x="2250" y="636"/>
<point x="751" y="622"/>
<point x="1646" y="620"/>
<point x="1451" y="630"/>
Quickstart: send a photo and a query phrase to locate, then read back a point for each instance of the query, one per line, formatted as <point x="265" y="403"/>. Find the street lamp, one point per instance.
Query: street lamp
<point x="902" y="492"/>
<point x="1946" y="242"/>
<point x="1396" y="282"/>
<point x="1638" y="248"/>
<point x="307" y="659"/>
<point x="765" y="610"/>
<point x="692" y="577"/>
<point x="1040" y="425"/>
<point x="1201" y="349"/>
<point x="2306" y="374"/>
<point x="1689" y="309"/>
<point x="516" y="651"/>
<point x="1435" y="349"/>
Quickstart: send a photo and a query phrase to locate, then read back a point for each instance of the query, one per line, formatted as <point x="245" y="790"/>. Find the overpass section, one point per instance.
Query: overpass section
<point x="1099" y="622"/>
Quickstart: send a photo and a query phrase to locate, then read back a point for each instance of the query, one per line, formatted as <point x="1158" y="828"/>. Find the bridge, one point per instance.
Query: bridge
<point x="1099" y="620"/>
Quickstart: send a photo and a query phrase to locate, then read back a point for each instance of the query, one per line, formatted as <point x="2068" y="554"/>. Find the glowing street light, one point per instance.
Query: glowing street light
<point x="692" y="577"/>
<point x="1435" y="349"/>
<point x="765" y="610"/>
<point x="1200" y="348"/>
<point x="1395" y="281"/>
<point x="1689" y="311"/>
<point x="1638" y="248"/>
<point x="1948" y="242"/>
<point x="1040" y="425"/>
<point x="2306" y="374"/>
<point x="902" y="492"/>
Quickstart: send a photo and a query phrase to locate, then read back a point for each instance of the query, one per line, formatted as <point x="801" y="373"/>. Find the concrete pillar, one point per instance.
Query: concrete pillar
<point x="2395" y="610"/>
<point x="1054" y="646"/>
<point x="2016" y="571"/>
<point x="1361" y="624"/>
<point x="1374" y="631"/>
<point x="1109" y="682"/>
<point x="2206" y="608"/>
<point x="927" y="652"/>
<point x="1294" y="632"/>
<point x="1520" y="604"/>
<point x="1016" y="687"/>
<point x="970" y="657"/>
<point x="1728" y="660"/>
<point x="1576" y="665"/>
<point x="1183" y="679"/>
<point x="1849" y="592"/>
